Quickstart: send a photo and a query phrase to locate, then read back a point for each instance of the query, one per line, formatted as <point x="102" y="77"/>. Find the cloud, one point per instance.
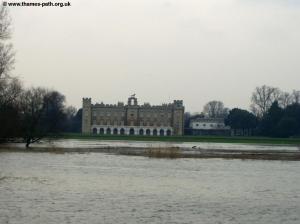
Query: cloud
<point x="193" y="50"/>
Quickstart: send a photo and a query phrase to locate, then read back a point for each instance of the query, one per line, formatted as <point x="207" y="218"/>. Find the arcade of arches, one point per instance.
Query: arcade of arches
<point x="132" y="131"/>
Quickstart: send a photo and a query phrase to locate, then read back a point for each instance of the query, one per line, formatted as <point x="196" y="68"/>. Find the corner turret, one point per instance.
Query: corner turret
<point x="178" y="117"/>
<point x="86" y="115"/>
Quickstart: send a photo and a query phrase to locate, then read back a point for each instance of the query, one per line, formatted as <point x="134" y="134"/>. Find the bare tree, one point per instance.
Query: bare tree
<point x="32" y="110"/>
<point x="10" y="87"/>
<point x="296" y="96"/>
<point x="43" y="112"/>
<point x="285" y="99"/>
<point x="7" y="55"/>
<point x="7" y="59"/>
<point x="262" y="99"/>
<point x="10" y="91"/>
<point x="5" y="23"/>
<point x="70" y="111"/>
<point x="215" y="109"/>
<point x="10" y="123"/>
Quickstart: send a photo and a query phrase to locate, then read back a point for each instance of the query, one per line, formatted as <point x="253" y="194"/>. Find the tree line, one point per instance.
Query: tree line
<point x="34" y="113"/>
<point x="273" y="113"/>
<point x="28" y="113"/>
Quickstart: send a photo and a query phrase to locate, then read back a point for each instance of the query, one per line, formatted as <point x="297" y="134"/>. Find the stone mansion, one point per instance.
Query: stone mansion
<point x="132" y="118"/>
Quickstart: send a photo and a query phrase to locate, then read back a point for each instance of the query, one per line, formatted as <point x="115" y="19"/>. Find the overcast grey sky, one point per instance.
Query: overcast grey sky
<point x="194" y="50"/>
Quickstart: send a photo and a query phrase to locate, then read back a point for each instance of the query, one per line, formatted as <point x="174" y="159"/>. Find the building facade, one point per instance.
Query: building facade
<point x="209" y="126"/>
<point x="132" y="118"/>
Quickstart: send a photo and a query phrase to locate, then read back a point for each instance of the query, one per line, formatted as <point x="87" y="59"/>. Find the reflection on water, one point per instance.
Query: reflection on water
<point x="102" y="188"/>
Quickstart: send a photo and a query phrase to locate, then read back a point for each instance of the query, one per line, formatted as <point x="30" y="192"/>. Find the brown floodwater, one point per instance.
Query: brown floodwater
<point x="106" y="188"/>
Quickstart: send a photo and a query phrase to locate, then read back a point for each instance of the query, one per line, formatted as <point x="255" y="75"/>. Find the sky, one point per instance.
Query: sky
<point x="161" y="50"/>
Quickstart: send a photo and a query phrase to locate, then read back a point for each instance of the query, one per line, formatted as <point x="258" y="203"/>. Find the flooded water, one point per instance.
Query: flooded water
<point x="102" y="188"/>
<point x="92" y="144"/>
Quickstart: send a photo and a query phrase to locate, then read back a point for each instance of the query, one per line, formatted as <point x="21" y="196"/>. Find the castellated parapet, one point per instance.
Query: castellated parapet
<point x="132" y="118"/>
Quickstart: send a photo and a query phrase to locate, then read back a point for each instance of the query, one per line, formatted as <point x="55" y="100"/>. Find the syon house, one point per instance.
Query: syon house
<point x="132" y="118"/>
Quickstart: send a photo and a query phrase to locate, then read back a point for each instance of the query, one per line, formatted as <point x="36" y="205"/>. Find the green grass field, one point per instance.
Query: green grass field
<point x="216" y="139"/>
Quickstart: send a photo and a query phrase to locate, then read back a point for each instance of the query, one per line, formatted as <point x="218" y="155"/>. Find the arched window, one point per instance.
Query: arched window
<point x="148" y="132"/>
<point x="168" y="132"/>
<point x="122" y="131"/>
<point x="141" y="132"/>
<point x="131" y="131"/>
<point x="101" y="131"/>
<point x="161" y="132"/>
<point x="115" y="131"/>
<point x="108" y="131"/>
<point x="94" y="131"/>
<point x="154" y="132"/>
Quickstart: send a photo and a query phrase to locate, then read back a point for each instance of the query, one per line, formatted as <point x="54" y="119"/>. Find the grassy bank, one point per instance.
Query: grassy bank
<point x="218" y="139"/>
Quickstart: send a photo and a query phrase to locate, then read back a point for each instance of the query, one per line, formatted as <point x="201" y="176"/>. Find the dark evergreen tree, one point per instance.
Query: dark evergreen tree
<point x="286" y="127"/>
<point x="74" y="122"/>
<point x="289" y="125"/>
<point x="241" y="120"/>
<point x="77" y="121"/>
<point x="268" y="124"/>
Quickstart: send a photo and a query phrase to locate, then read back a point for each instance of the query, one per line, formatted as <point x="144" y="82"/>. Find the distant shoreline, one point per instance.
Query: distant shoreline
<point x="186" y="138"/>
<point x="169" y="152"/>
